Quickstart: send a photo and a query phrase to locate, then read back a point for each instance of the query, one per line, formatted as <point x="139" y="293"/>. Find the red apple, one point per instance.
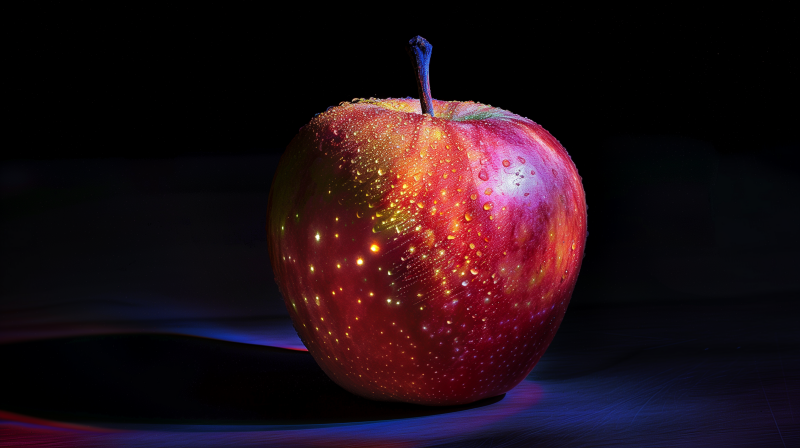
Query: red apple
<point x="426" y="258"/>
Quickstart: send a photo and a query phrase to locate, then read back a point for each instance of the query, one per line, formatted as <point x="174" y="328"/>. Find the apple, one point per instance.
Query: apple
<point x="426" y="250"/>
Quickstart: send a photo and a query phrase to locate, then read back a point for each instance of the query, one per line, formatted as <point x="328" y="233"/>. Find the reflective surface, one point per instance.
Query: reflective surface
<point x="648" y="375"/>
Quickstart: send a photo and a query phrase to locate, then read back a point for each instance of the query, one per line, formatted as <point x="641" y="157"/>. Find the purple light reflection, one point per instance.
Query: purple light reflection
<point x="268" y="331"/>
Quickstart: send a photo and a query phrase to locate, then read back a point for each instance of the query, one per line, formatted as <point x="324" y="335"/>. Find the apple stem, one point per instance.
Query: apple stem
<point x="419" y="50"/>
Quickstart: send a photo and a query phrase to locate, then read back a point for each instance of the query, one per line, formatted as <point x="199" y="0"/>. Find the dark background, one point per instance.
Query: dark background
<point x="139" y="154"/>
<point x="139" y="150"/>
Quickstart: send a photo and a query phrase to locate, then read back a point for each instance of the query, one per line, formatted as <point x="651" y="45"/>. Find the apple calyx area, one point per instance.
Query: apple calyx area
<point x="426" y="258"/>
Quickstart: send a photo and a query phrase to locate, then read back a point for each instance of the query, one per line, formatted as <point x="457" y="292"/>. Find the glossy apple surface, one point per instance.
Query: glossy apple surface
<point x="426" y="259"/>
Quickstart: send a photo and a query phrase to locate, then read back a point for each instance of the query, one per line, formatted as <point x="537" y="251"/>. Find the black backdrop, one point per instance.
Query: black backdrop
<point x="681" y="122"/>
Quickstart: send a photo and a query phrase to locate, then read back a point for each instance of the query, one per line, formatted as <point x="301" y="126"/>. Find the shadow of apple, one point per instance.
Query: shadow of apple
<point x="173" y="379"/>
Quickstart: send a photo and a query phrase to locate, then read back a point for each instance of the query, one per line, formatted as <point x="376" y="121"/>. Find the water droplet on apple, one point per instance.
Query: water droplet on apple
<point x="472" y="245"/>
<point x="488" y="206"/>
<point x="474" y="271"/>
<point x="573" y="245"/>
<point x="464" y="283"/>
<point x="420" y="205"/>
<point x="467" y="217"/>
<point x="483" y="175"/>
<point x="473" y="196"/>
<point x="521" y="160"/>
<point x="488" y="191"/>
<point x="380" y="172"/>
<point x="450" y="237"/>
<point x="532" y="173"/>
<point x="506" y="163"/>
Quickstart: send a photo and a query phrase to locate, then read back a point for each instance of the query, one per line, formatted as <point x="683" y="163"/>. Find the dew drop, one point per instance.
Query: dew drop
<point x="420" y="205"/>
<point x="464" y="283"/>
<point x="479" y="253"/>
<point x="506" y="163"/>
<point x="488" y="191"/>
<point x="473" y="196"/>
<point x="488" y="206"/>
<point x="521" y="160"/>
<point x="416" y="177"/>
<point x="467" y="217"/>
<point x="474" y="271"/>
<point x="573" y="245"/>
<point x="380" y="172"/>
<point x="405" y="186"/>
<point x="483" y="175"/>
<point x="450" y="237"/>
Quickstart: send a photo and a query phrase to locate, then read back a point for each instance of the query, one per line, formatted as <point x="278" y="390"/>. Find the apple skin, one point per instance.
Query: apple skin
<point x="426" y="259"/>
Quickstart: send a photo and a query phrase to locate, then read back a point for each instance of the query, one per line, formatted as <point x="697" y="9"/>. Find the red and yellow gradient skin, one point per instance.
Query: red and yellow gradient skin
<point x="426" y="259"/>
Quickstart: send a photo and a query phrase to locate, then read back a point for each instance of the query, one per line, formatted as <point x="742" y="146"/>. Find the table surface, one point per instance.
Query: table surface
<point x="685" y="373"/>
